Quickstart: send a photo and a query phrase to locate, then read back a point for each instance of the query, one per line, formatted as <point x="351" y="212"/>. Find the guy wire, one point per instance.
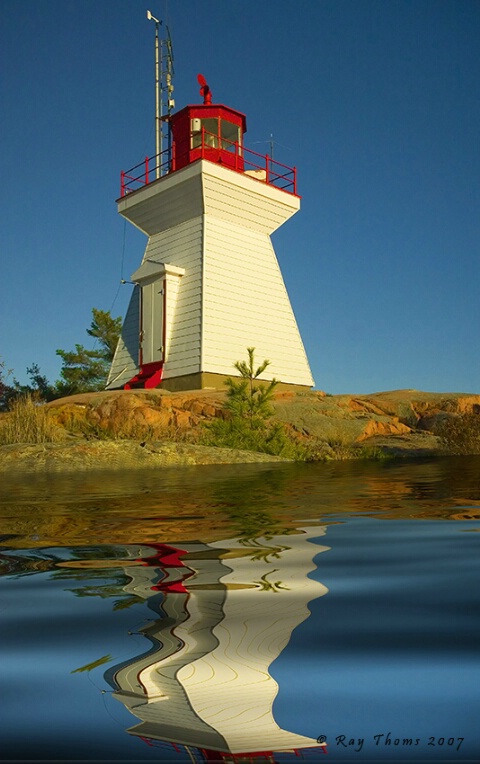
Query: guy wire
<point x="122" y="263"/>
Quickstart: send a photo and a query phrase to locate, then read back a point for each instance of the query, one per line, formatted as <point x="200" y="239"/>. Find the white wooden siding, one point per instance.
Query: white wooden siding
<point x="182" y="246"/>
<point x="215" y="224"/>
<point x="178" y="197"/>
<point x="167" y="202"/>
<point x="125" y="361"/>
<point x="246" y="305"/>
<point x="247" y="202"/>
<point x="173" y="284"/>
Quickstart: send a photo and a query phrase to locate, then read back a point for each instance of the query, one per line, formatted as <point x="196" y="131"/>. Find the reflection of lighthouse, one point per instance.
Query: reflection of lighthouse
<point x="230" y="608"/>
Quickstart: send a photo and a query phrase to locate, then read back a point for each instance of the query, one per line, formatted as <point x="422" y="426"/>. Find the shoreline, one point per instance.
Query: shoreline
<point x="110" y="455"/>
<point x="86" y="456"/>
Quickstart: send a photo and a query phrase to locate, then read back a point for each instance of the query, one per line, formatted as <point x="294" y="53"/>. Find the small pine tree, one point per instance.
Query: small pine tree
<point x="247" y="400"/>
<point x="248" y="409"/>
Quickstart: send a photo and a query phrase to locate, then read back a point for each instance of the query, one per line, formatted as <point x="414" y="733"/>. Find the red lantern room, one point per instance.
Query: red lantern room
<point x="213" y="132"/>
<point x="208" y="131"/>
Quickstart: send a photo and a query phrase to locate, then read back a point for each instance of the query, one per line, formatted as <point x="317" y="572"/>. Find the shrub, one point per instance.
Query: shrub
<point x="460" y="433"/>
<point x="373" y="453"/>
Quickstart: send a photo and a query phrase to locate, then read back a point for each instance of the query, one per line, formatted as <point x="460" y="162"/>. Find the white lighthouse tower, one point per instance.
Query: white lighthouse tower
<point x="209" y="285"/>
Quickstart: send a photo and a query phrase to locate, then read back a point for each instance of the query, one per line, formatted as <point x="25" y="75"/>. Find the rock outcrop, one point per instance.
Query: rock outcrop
<point x="124" y="413"/>
<point x="119" y="427"/>
<point x="155" y="413"/>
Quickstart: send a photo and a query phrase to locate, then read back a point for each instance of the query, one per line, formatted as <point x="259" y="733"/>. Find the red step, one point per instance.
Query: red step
<point x="149" y="376"/>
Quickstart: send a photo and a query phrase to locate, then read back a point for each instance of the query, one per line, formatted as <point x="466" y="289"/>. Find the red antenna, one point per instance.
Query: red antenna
<point x="204" y="89"/>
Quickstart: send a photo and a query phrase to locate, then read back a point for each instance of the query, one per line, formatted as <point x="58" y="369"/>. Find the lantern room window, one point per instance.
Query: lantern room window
<point x="230" y="134"/>
<point x="217" y="133"/>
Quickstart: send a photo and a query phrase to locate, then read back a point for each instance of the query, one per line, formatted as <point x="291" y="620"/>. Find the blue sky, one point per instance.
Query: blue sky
<point x="376" y="103"/>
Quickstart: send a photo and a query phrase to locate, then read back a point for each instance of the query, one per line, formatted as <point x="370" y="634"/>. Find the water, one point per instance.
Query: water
<point x="255" y="608"/>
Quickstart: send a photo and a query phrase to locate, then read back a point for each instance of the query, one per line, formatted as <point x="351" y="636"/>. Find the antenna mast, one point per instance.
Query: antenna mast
<point x="164" y="102"/>
<point x="167" y="93"/>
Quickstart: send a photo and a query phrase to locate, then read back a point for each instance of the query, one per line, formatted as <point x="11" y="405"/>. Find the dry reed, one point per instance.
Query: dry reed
<point x="27" y="421"/>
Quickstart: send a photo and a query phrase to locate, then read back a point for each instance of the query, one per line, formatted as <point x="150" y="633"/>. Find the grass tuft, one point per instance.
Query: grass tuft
<point x="27" y="421"/>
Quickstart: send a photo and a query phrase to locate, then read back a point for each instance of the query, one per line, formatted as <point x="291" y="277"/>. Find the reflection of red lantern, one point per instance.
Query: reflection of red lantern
<point x="168" y="557"/>
<point x="165" y="557"/>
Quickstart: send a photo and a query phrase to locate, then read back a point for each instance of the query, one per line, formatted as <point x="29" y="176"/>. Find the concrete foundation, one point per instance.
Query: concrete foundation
<point x="208" y="381"/>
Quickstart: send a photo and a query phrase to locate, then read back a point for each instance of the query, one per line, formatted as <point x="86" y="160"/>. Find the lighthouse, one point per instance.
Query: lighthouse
<point x="209" y="285"/>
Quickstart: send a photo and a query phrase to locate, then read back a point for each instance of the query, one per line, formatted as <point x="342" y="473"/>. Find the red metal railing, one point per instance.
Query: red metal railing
<point x="145" y="172"/>
<point x="214" y="148"/>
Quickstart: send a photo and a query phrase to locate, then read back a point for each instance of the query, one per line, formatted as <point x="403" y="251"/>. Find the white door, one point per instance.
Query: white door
<point x="152" y="322"/>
